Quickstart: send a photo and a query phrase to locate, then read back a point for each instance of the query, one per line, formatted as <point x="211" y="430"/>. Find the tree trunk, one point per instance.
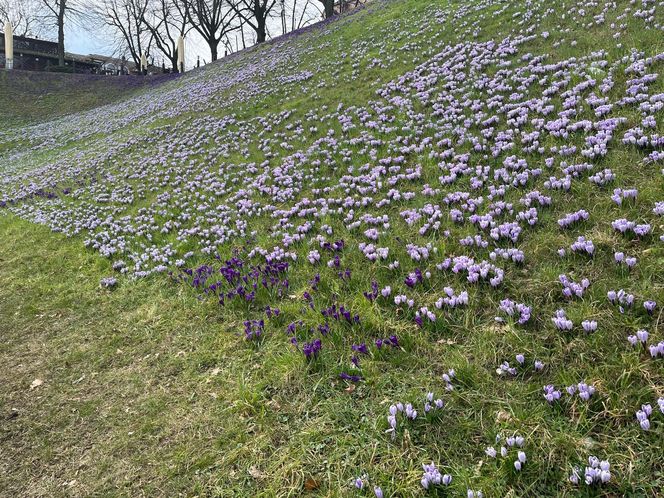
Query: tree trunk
<point x="214" y="44"/>
<point x="329" y="8"/>
<point x="261" y="33"/>
<point x="61" y="33"/>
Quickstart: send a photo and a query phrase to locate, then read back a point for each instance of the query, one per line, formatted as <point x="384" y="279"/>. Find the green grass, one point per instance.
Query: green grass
<point x="149" y="391"/>
<point x="28" y="97"/>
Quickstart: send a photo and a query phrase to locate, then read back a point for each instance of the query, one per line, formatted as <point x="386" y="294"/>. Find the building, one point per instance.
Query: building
<point x="32" y="54"/>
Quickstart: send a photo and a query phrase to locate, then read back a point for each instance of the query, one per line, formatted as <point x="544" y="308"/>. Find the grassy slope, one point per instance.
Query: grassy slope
<point x="28" y="97"/>
<point x="147" y="391"/>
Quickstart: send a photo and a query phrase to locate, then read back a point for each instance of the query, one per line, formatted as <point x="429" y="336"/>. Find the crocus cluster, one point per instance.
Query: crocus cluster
<point x="603" y="177"/>
<point x="589" y="325"/>
<point x="447" y="378"/>
<point x="623" y="226"/>
<point x="597" y="472"/>
<point x="561" y="321"/>
<point x="433" y="477"/>
<point x="583" y="245"/>
<point x="620" y="195"/>
<point x="423" y="313"/>
<point x="641" y="336"/>
<point x="643" y="415"/>
<point x="431" y="404"/>
<point x="354" y="378"/>
<point x="253" y="329"/>
<point x="514" y="310"/>
<point x="452" y="300"/>
<point x="506" y="369"/>
<point x="623" y="299"/>
<point x="340" y="313"/>
<point x="108" y="282"/>
<point x="373" y="293"/>
<point x="410" y="413"/>
<point x="515" y="441"/>
<point x="584" y="390"/>
<point x="659" y="208"/>
<point x="311" y="349"/>
<point x="414" y="278"/>
<point x="621" y="258"/>
<point x="571" y="288"/>
<point x="572" y="218"/>
<point x="403" y="299"/>
<point x="551" y="394"/>
<point x="392" y="341"/>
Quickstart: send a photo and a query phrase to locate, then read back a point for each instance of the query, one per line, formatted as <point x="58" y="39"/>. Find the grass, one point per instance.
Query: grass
<point x="28" y="97"/>
<point x="150" y="391"/>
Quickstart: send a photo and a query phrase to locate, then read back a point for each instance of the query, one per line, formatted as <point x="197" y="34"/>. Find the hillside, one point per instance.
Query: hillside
<point x="423" y="232"/>
<point x="29" y="97"/>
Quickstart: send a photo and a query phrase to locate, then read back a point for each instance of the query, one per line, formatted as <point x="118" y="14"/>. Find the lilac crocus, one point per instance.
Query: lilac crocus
<point x="589" y="325"/>
<point x="561" y="321"/>
<point x="551" y="394"/>
<point x="650" y="306"/>
<point x="642" y="417"/>
<point x="642" y="336"/>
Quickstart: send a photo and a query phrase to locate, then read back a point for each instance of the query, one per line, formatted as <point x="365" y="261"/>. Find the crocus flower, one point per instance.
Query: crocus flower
<point x="551" y="394"/>
<point x="589" y="325"/>
<point x="642" y="417"/>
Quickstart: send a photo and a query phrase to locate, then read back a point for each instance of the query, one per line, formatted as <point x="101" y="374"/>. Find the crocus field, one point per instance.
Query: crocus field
<point x="417" y="250"/>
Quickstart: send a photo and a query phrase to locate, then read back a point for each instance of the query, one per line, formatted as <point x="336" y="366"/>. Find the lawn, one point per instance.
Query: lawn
<point x="245" y="280"/>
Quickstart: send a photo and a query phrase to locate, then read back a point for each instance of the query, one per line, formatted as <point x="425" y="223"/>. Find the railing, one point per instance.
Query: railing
<point x="22" y="44"/>
<point x="38" y="46"/>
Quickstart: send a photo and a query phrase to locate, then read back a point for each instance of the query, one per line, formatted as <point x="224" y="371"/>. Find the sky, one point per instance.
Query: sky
<point x="92" y="37"/>
<point x="80" y="40"/>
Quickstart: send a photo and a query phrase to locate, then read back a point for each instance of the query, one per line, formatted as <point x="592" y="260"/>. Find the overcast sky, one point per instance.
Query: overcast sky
<point x="80" y="40"/>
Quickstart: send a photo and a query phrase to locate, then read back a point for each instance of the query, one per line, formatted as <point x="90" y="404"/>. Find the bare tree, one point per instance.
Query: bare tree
<point x="126" y="20"/>
<point x="304" y="15"/>
<point x="57" y="11"/>
<point x="23" y="16"/>
<point x="213" y="19"/>
<point x="167" y="20"/>
<point x="328" y="7"/>
<point x="255" y="13"/>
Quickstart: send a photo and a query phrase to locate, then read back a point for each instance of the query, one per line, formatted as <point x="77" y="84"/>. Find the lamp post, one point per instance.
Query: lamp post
<point x="9" y="46"/>
<point x="181" y="54"/>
